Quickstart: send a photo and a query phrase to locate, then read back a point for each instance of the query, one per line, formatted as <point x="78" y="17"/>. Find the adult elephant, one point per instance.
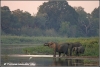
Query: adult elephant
<point x="79" y="50"/>
<point x="72" y="45"/>
<point x="60" y="48"/>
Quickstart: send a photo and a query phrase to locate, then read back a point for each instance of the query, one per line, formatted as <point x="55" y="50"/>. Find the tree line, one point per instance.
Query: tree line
<point x="54" y="18"/>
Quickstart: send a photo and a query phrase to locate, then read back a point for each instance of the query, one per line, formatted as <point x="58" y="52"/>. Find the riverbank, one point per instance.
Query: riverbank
<point x="34" y="45"/>
<point x="67" y="57"/>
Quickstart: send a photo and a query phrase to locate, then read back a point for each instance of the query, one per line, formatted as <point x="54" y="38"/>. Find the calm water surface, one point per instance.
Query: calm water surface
<point x="36" y="61"/>
<point x="42" y="61"/>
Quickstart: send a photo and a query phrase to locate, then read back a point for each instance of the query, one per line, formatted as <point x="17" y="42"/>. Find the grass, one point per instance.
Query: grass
<point x="91" y="44"/>
<point x="29" y="40"/>
<point x="38" y="50"/>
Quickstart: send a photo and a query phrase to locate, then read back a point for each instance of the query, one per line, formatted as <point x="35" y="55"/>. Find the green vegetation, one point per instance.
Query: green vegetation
<point x="38" y="50"/>
<point x="90" y="50"/>
<point x="30" y="40"/>
<point x="54" y="18"/>
<point x="86" y="62"/>
<point x="91" y="44"/>
<point x="91" y="47"/>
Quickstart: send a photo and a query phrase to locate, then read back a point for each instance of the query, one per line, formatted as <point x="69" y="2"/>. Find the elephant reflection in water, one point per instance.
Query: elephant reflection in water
<point x="78" y="62"/>
<point x="67" y="62"/>
<point x="62" y="62"/>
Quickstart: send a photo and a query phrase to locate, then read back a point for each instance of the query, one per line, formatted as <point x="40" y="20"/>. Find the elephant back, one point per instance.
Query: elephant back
<point x="63" y="47"/>
<point x="76" y="44"/>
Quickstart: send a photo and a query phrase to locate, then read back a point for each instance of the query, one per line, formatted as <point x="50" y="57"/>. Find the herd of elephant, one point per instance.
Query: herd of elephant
<point x="66" y="48"/>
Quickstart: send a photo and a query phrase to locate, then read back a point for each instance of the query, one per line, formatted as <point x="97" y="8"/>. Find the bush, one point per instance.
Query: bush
<point x="91" y="44"/>
<point x="38" y="50"/>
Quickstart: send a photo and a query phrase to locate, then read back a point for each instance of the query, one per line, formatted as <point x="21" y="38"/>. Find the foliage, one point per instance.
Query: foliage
<point x="26" y="39"/>
<point x="67" y="29"/>
<point x="6" y="19"/>
<point x="95" y="12"/>
<point x="39" y="50"/>
<point x="86" y="21"/>
<point x="91" y="44"/>
<point x="91" y="47"/>
<point x="54" y="18"/>
<point x="58" y="11"/>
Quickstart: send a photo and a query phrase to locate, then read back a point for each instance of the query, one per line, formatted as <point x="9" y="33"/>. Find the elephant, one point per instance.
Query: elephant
<point x="79" y="50"/>
<point x="72" y="45"/>
<point x="60" y="48"/>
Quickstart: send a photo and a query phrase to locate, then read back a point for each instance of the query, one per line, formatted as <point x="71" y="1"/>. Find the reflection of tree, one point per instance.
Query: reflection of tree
<point x="67" y="62"/>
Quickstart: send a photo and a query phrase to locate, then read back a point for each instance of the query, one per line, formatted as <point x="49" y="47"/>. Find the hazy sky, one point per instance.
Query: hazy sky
<point x="32" y="6"/>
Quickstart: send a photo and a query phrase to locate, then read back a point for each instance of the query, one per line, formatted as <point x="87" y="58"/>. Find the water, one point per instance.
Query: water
<point x="47" y="61"/>
<point x="14" y="49"/>
<point x="40" y="60"/>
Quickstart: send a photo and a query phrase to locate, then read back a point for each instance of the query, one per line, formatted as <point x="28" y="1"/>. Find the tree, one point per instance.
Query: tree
<point x="86" y="24"/>
<point x="57" y="12"/>
<point x="66" y="29"/>
<point x="5" y="19"/>
<point x="95" y="13"/>
<point x="95" y="22"/>
<point x="24" y="18"/>
<point x="39" y="21"/>
<point x="25" y="21"/>
<point x="83" y="22"/>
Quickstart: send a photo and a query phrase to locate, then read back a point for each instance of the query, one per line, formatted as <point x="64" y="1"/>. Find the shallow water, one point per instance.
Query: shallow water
<point x="40" y="61"/>
<point x="46" y="61"/>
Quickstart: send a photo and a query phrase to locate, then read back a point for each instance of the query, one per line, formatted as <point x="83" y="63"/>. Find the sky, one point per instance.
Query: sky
<point x="32" y="6"/>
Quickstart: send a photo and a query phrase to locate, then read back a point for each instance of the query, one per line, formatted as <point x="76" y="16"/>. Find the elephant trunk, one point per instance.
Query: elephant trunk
<point x="46" y="44"/>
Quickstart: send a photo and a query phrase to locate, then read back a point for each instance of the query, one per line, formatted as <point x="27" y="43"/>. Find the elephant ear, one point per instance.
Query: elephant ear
<point x="73" y="49"/>
<point x="76" y="48"/>
<point x="52" y="45"/>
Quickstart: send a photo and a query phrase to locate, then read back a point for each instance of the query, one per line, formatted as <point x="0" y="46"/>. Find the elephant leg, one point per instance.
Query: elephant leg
<point x="77" y="54"/>
<point x="54" y="55"/>
<point x="64" y="54"/>
<point x="71" y="52"/>
<point x="67" y="53"/>
<point x="59" y="54"/>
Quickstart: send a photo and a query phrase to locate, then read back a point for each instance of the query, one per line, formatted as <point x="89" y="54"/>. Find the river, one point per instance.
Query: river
<point x="47" y="60"/>
<point x="8" y="58"/>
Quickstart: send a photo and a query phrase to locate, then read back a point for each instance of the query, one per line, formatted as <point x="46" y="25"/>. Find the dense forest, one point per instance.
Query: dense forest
<point x="54" y="18"/>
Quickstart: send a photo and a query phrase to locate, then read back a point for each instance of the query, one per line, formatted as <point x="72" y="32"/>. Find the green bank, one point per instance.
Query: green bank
<point x="91" y="44"/>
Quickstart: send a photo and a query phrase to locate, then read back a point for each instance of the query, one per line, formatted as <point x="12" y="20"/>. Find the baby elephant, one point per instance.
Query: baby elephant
<point x="79" y="50"/>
